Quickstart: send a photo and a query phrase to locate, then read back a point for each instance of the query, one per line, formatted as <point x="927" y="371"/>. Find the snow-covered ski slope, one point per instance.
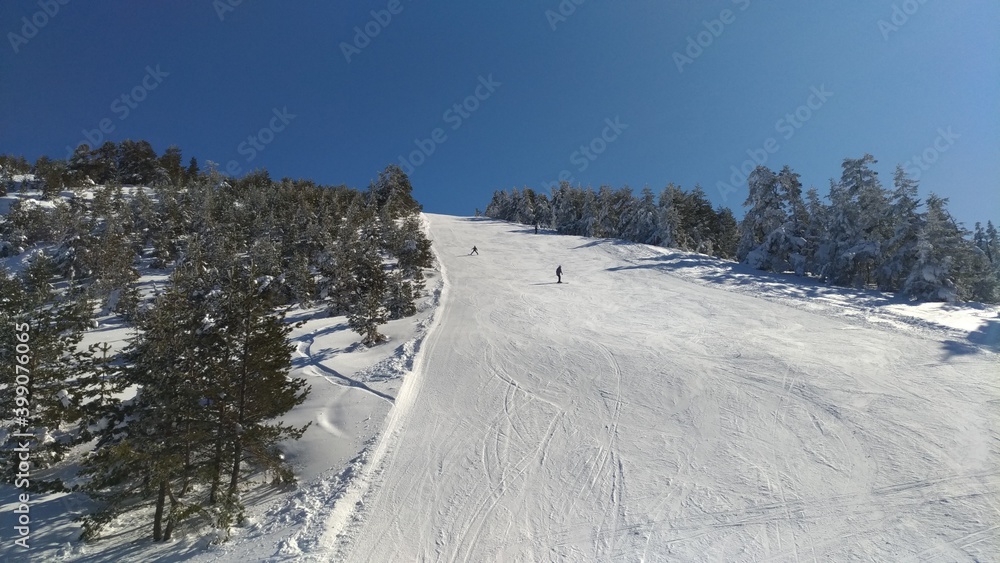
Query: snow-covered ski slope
<point x="634" y="414"/>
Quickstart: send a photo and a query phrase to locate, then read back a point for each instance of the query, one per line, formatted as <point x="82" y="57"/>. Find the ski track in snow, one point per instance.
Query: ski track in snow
<point x="316" y="367"/>
<point x="634" y="415"/>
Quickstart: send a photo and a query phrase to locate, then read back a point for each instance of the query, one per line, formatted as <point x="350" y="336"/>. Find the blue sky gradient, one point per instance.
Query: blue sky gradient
<point x="696" y="89"/>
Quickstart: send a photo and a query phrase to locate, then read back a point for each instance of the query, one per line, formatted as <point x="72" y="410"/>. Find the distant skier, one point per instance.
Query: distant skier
<point x="474" y="251"/>
<point x="536" y="228"/>
<point x="559" y="273"/>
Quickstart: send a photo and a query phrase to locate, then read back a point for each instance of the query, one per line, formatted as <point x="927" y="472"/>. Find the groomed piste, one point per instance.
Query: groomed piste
<point x="657" y="408"/>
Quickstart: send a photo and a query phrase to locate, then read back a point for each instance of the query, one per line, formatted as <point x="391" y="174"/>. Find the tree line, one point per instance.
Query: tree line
<point x="181" y="418"/>
<point x="676" y="218"/>
<point x="864" y="235"/>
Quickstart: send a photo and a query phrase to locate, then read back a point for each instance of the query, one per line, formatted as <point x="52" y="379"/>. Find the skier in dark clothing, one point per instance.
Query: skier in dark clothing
<point x="559" y="274"/>
<point x="474" y="251"/>
<point x="536" y="228"/>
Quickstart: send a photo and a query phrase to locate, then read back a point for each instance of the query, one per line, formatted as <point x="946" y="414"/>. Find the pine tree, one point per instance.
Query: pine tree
<point x="192" y="171"/>
<point x="640" y="219"/>
<point x="899" y="253"/>
<point x="170" y="164"/>
<point x="815" y="232"/>
<point x="400" y="296"/>
<point x="764" y="243"/>
<point x="53" y="174"/>
<point x="252" y="379"/>
<point x="938" y="244"/>
<point x="392" y="193"/>
<point x="144" y="455"/>
<point x="105" y="164"/>
<point x="137" y="163"/>
<point x="668" y="219"/>
<point x="56" y="322"/>
<point x="728" y="233"/>
<point x="863" y="226"/>
<point x="81" y="165"/>
<point x="372" y="282"/>
<point x="987" y="249"/>
<point x="698" y="222"/>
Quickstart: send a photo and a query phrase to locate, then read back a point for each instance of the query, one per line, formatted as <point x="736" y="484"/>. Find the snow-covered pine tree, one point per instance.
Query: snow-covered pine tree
<point x="899" y="252"/>
<point x="400" y="296"/>
<point x="698" y="221"/>
<point x="104" y="164"/>
<point x="988" y="243"/>
<point x="372" y="282"/>
<point x="527" y="208"/>
<point x="820" y="233"/>
<point x="145" y="456"/>
<point x="727" y="233"/>
<point x="765" y="215"/>
<point x="171" y="167"/>
<point x="416" y="250"/>
<point x="567" y="209"/>
<point x="605" y="212"/>
<point x="56" y="321"/>
<point x="499" y="206"/>
<point x="173" y="225"/>
<point x="640" y="219"/>
<point x="938" y="244"/>
<point x="668" y="218"/>
<point x="81" y="165"/>
<point x="543" y="211"/>
<point x="978" y="280"/>
<point x="145" y="222"/>
<point x="53" y="175"/>
<point x="793" y="233"/>
<point x="393" y="194"/>
<point x="861" y="224"/>
<point x="137" y="162"/>
<point x="588" y="205"/>
<point x="298" y="280"/>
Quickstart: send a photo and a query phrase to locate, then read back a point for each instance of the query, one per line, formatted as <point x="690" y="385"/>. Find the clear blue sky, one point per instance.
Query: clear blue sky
<point x="895" y="86"/>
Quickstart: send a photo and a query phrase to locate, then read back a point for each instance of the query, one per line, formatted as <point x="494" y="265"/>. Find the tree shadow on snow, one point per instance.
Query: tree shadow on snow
<point x="784" y="285"/>
<point x="988" y="335"/>
<point x="531" y="231"/>
<point x="721" y="272"/>
<point x="954" y="348"/>
<point x="603" y="241"/>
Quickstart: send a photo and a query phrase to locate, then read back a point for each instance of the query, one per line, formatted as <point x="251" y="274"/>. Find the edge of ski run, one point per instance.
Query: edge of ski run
<point x="359" y="487"/>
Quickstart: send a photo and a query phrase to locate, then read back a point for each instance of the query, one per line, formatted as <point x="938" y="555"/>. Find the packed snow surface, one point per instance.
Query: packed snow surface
<point x="630" y="414"/>
<point x="658" y="406"/>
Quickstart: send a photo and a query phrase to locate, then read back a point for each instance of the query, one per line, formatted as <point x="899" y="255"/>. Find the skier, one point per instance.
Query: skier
<point x="474" y="251"/>
<point x="559" y="273"/>
<point x="536" y="228"/>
